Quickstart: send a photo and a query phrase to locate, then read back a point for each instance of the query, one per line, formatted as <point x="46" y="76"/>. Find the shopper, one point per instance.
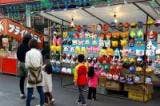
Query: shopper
<point x="93" y="74"/>
<point x="47" y="79"/>
<point x="21" y="52"/>
<point x="33" y="63"/>
<point x="80" y="78"/>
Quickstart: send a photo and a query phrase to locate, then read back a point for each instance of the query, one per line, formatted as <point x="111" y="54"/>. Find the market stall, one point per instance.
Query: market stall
<point x="125" y="45"/>
<point x="11" y="35"/>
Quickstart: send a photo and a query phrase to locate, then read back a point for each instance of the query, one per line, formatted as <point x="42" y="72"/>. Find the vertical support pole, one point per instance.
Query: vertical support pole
<point x="28" y="16"/>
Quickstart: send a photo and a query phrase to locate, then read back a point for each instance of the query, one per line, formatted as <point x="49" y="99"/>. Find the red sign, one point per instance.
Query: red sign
<point x="14" y="1"/>
<point x="16" y="30"/>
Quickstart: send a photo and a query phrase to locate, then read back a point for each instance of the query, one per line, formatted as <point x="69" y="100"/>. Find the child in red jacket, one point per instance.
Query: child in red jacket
<point x="80" y="78"/>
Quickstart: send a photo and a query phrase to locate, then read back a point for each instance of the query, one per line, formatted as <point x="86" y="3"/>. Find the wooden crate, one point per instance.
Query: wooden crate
<point x="139" y="96"/>
<point x="102" y="82"/>
<point x="113" y="85"/>
<point x="148" y="89"/>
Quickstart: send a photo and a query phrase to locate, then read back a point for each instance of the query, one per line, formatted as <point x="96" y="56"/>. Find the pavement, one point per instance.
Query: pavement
<point x="9" y="95"/>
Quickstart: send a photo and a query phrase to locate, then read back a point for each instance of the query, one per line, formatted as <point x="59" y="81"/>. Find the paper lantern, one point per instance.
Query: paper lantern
<point x="114" y="43"/>
<point x="123" y="42"/>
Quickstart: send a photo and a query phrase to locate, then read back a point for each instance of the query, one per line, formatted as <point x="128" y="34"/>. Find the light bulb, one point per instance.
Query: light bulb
<point x="115" y="20"/>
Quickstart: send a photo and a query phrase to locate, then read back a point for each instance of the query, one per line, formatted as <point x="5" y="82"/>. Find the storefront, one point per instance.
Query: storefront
<point x="124" y="44"/>
<point x="11" y="36"/>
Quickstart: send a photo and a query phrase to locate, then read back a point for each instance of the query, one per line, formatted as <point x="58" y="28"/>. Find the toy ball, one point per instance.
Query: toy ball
<point x="148" y="80"/>
<point x="132" y="69"/>
<point x="114" y="43"/>
<point x="139" y="69"/>
<point x="124" y="42"/>
<point x="136" y="79"/>
<point x="149" y="70"/>
<point x="115" y="77"/>
<point x="132" y="34"/>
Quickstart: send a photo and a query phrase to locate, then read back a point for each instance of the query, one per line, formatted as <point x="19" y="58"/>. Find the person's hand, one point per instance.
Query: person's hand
<point x="75" y="83"/>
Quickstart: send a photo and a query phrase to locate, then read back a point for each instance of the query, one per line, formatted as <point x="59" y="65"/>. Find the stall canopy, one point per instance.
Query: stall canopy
<point x="130" y="12"/>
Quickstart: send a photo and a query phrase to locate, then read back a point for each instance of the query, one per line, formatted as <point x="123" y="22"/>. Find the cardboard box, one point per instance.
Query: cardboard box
<point x="139" y="96"/>
<point x="113" y="85"/>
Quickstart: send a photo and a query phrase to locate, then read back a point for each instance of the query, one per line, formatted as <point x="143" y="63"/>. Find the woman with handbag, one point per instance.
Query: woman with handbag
<point x="33" y="63"/>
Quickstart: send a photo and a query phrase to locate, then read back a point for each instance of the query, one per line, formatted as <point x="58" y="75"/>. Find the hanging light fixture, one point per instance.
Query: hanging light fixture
<point x="72" y="23"/>
<point x="115" y="17"/>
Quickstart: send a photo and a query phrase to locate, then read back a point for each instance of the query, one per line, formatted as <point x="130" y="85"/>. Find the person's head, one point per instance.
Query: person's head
<point x="80" y="58"/>
<point x="91" y="71"/>
<point x="26" y="38"/>
<point x="33" y="43"/>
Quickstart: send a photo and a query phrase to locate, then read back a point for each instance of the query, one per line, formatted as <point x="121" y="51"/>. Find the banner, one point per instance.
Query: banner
<point x="16" y="30"/>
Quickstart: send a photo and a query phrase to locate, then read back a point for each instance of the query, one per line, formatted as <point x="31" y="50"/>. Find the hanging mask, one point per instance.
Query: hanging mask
<point x="126" y="25"/>
<point x="108" y="35"/>
<point x="115" y="34"/>
<point x="133" y="25"/>
<point x="105" y="27"/>
<point x="124" y="34"/>
<point x="114" y="43"/>
<point x="140" y="33"/>
<point x="113" y="24"/>
<point x="99" y="27"/>
<point x="132" y="34"/>
<point x="124" y="42"/>
<point x="140" y="24"/>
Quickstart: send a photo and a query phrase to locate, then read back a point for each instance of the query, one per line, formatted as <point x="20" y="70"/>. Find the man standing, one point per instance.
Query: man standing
<point x="21" y="53"/>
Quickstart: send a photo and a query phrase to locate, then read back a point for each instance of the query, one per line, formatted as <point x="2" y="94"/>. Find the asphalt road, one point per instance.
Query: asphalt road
<point x="9" y="95"/>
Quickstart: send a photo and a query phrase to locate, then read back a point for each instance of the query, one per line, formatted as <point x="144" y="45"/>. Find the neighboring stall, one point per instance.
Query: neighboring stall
<point x="11" y="35"/>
